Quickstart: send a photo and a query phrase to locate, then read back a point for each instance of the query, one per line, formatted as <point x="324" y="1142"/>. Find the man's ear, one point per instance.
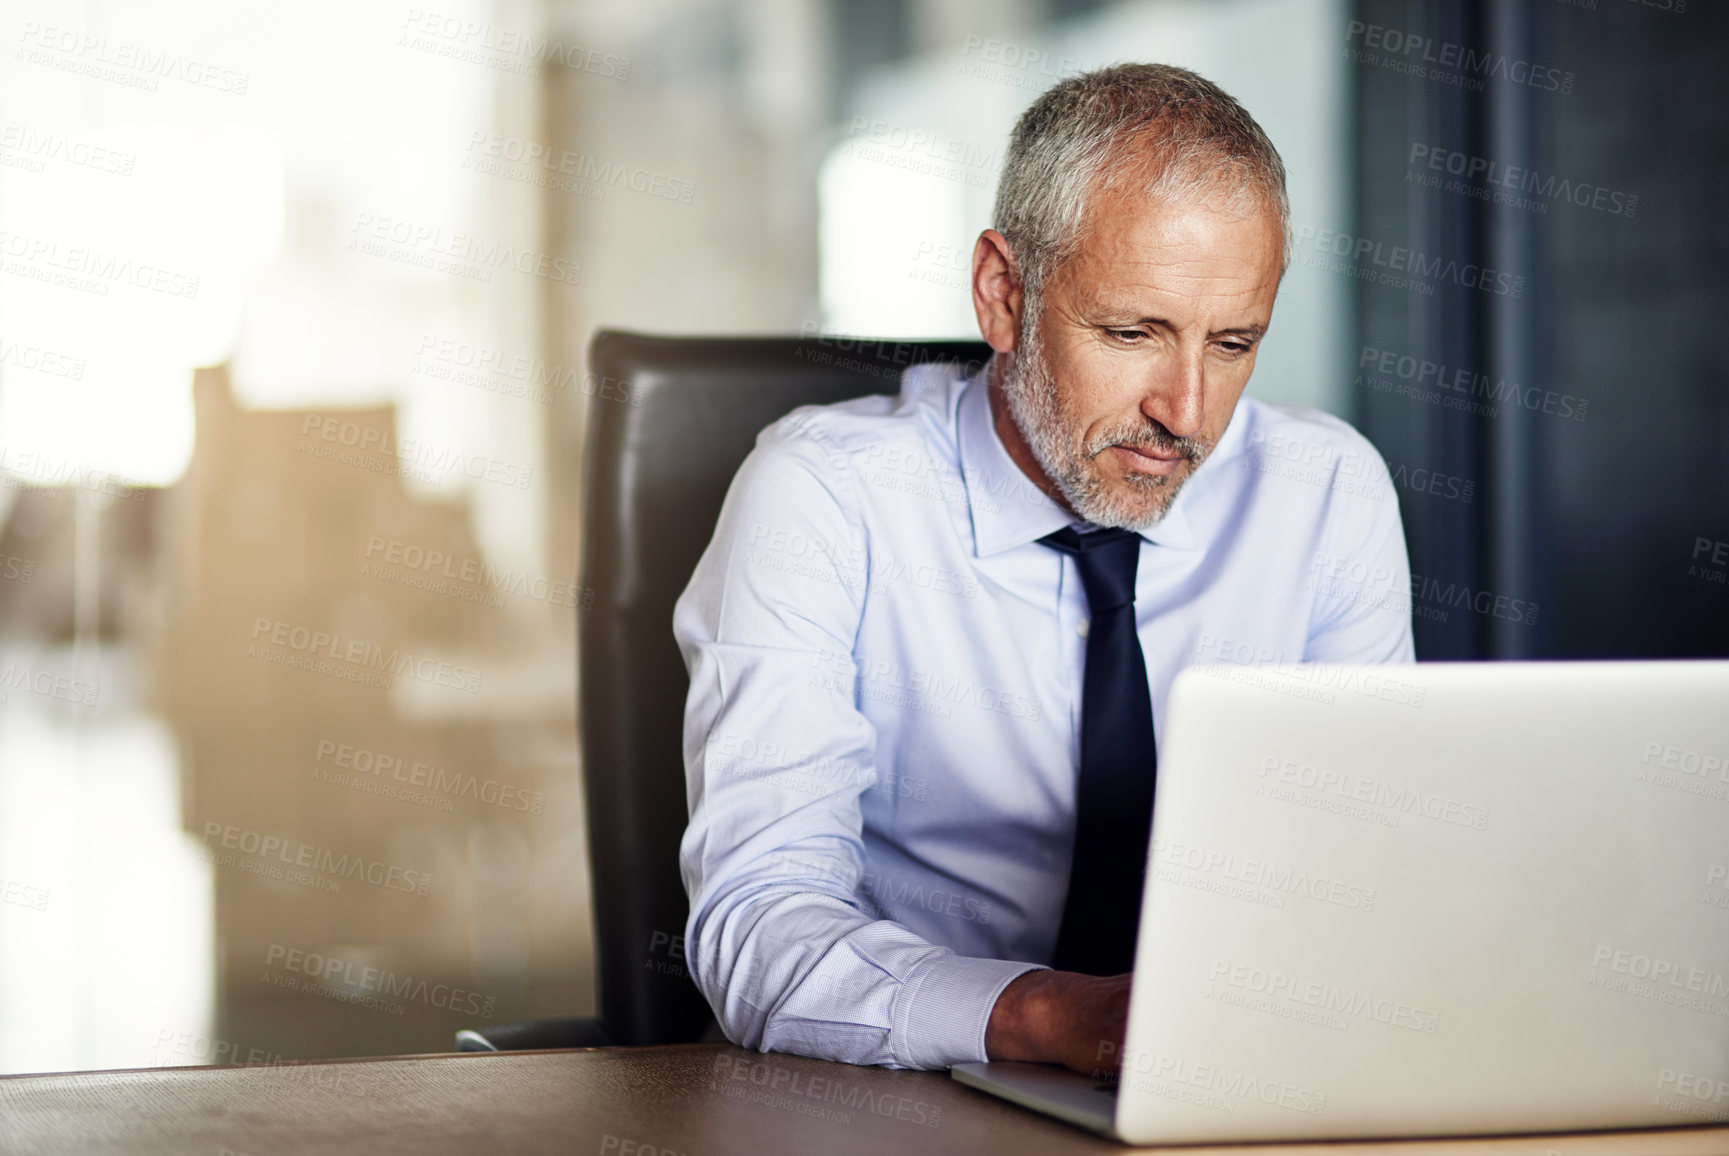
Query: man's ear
<point x="996" y="291"/>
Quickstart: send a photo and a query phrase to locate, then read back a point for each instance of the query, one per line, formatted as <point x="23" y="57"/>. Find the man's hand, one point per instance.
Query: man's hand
<point x="1061" y="1017"/>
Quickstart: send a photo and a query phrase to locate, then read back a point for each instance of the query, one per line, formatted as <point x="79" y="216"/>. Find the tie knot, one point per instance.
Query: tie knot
<point x="1107" y="560"/>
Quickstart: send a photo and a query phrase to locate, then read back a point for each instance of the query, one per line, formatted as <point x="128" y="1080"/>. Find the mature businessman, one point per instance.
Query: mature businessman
<point x="931" y="641"/>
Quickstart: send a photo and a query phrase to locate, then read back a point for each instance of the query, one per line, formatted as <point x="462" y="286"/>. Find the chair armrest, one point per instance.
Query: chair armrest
<point x="583" y="1032"/>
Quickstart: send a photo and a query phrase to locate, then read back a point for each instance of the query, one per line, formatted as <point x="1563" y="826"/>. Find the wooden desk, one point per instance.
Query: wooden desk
<point x="685" y="1100"/>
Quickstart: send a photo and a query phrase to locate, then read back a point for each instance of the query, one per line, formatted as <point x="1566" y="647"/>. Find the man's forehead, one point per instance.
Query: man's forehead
<point x="1155" y="298"/>
<point x="1120" y="220"/>
<point x="1173" y="256"/>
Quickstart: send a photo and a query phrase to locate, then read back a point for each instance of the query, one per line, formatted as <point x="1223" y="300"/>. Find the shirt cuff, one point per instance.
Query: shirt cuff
<point x="943" y="1009"/>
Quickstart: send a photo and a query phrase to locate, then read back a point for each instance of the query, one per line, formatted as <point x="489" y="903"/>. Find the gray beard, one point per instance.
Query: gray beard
<point x="1036" y="404"/>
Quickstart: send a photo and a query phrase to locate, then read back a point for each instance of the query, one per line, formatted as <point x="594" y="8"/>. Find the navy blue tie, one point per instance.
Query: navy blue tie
<point x="1114" y="794"/>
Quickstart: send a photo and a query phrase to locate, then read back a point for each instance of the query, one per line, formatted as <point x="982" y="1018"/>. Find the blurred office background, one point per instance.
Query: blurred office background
<point x="293" y="311"/>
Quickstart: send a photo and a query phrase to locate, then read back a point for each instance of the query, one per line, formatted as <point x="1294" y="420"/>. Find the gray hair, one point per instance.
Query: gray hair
<point x="1103" y="128"/>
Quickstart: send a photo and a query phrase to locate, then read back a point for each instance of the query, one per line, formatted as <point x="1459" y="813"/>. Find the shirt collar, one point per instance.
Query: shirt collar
<point x="1007" y="509"/>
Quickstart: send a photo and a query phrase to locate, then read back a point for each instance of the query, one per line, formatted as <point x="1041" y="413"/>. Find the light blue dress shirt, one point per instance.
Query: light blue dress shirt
<point x="882" y="735"/>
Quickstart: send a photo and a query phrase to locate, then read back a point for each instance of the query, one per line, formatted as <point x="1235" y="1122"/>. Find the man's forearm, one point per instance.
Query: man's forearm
<point x="807" y="973"/>
<point x="1018" y="1027"/>
<point x="1060" y="1017"/>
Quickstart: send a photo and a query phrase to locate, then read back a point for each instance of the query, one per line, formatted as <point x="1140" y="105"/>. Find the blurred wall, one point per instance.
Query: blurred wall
<point x="293" y="322"/>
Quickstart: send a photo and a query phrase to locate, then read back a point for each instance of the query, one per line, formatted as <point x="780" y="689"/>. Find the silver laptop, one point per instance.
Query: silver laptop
<point x="1425" y="900"/>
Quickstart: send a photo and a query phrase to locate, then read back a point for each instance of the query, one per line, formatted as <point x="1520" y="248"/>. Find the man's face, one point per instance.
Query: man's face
<point x="1125" y="379"/>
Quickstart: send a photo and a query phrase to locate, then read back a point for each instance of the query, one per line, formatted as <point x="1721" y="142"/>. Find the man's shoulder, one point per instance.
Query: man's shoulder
<point x="921" y="417"/>
<point x="1305" y="438"/>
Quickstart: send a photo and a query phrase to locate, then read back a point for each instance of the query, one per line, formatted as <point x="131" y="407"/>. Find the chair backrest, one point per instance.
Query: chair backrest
<point x="669" y="422"/>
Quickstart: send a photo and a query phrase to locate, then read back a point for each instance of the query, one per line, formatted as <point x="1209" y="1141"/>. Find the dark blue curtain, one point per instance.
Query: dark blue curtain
<point x="1541" y="253"/>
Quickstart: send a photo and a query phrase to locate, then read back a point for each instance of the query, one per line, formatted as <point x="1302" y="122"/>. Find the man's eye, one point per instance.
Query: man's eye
<point x="1124" y="334"/>
<point x="1235" y="347"/>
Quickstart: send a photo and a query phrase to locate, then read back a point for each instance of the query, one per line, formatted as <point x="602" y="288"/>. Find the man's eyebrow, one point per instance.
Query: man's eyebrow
<point x="1112" y="313"/>
<point x="1251" y="332"/>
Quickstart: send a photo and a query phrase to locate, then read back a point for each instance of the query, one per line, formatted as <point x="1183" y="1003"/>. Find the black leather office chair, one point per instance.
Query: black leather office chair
<point x="670" y="419"/>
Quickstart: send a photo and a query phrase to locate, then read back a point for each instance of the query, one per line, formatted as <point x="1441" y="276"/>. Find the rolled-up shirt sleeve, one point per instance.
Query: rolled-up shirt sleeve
<point x="777" y="755"/>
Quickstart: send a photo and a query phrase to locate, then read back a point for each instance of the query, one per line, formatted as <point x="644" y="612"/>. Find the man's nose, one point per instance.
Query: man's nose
<point x="1176" y="399"/>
